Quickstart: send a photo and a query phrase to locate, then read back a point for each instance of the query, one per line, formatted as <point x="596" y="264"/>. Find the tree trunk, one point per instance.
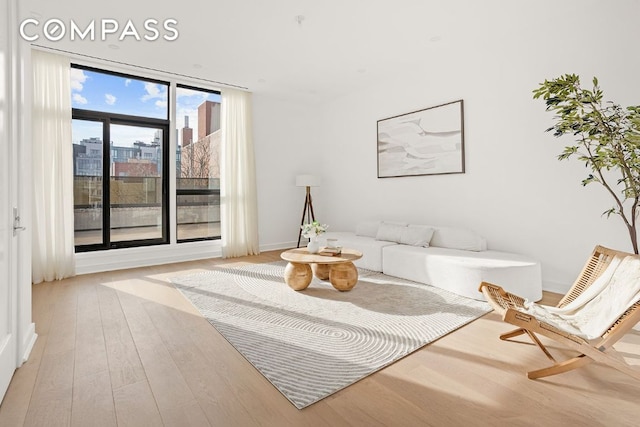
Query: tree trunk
<point x="634" y="237"/>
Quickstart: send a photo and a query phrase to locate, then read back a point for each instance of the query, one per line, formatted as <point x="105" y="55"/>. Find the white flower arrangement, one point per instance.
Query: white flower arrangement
<point x="313" y="229"/>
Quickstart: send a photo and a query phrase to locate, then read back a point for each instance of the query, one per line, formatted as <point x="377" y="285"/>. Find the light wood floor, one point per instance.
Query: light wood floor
<point x="125" y="348"/>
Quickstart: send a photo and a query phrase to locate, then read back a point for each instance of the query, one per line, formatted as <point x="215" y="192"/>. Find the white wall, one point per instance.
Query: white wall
<point x="514" y="191"/>
<point x="285" y="138"/>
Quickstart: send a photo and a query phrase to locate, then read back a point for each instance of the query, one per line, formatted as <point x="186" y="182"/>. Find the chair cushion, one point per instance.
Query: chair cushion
<point x="593" y="312"/>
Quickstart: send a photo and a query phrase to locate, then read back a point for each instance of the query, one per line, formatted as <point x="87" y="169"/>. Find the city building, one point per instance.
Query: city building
<point x="187" y="133"/>
<point x="208" y="118"/>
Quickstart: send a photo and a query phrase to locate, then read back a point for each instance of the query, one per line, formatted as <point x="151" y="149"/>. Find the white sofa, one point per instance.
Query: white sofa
<point x="449" y="258"/>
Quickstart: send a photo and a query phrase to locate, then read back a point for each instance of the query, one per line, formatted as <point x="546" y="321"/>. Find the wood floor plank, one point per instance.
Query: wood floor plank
<point x="136" y="406"/>
<point x="62" y="337"/>
<point x="52" y="393"/>
<point x="124" y="363"/>
<point x="14" y="407"/>
<point x="16" y="401"/>
<point x="93" y="401"/>
<point x="388" y="408"/>
<point x="90" y="350"/>
<point x="167" y="384"/>
<point x="51" y="408"/>
<point x="208" y="388"/>
<point x="189" y="415"/>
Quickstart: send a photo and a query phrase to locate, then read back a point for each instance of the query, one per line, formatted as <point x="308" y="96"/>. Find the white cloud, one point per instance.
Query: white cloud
<point x="183" y="91"/>
<point x="187" y="111"/>
<point x="127" y="82"/>
<point x="153" y="92"/>
<point x="160" y="103"/>
<point x="125" y="136"/>
<point x="79" y="99"/>
<point x="78" y="77"/>
<point x="109" y="99"/>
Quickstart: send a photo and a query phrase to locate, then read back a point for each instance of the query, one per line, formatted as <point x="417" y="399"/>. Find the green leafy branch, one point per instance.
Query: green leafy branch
<point x="607" y="139"/>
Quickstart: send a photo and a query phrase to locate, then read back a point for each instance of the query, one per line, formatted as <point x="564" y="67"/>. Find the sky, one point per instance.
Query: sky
<point x="116" y="94"/>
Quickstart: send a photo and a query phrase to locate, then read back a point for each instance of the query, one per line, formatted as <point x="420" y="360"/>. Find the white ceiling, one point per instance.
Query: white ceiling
<point x="339" y="45"/>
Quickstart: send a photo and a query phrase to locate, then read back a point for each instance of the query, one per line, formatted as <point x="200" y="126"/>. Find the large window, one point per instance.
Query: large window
<point x="120" y="155"/>
<point x="198" y="164"/>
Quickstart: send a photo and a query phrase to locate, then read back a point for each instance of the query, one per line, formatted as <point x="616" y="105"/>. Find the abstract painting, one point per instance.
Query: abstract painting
<point x="424" y="142"/>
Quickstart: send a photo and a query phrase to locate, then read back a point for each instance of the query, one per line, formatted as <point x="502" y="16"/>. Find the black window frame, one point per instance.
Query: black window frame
<point x="193" y="192"/>
<point x="107" y="119"/>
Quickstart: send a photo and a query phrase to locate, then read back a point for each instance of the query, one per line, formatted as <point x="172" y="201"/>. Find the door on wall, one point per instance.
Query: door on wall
<point x="8" y="297"/>
<point x="8" y="244"/>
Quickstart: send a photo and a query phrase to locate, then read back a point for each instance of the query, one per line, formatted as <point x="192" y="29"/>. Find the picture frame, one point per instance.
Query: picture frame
<point x="424" y="142"/>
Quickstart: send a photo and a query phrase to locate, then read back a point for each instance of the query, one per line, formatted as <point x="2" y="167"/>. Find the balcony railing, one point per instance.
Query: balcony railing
<point x="136" y="209"/>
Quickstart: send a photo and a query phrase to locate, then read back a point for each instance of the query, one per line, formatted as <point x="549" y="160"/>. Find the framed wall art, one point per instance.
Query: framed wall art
<point x="424" y="142"/>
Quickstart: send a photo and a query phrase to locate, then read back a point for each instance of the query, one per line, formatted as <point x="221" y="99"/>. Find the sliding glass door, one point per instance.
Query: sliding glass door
<point x="135" y="183"/>
<point x="87" y="181"/>
<point x="120" y="155"/>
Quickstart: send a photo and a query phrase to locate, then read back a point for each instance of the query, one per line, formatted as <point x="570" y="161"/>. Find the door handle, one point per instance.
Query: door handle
<point x="16" y="222"/>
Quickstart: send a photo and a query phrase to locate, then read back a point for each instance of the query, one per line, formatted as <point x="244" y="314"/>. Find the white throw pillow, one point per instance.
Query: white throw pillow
<point x="367" y="228"/>
<point x="403" y="224"/>
<point x="416" y="235"/>
<point x="456" y="238"/>
<point x="390" y="232"/>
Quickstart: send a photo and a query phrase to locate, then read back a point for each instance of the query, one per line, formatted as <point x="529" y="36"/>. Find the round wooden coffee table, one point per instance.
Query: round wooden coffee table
<point x="340" y="271"/>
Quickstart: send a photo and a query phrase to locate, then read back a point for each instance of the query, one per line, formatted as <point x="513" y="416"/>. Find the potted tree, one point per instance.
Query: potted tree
<point x="607" y="140"/>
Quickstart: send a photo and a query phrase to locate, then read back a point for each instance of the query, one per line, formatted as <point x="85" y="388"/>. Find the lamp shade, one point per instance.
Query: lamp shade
<point x="307" y="181"/>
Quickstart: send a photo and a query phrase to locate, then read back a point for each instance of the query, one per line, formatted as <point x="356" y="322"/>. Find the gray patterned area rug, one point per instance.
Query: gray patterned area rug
<point x="313" y="343"/>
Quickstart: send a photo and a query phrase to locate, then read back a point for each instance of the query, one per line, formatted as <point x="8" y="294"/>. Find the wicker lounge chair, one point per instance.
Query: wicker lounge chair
<point x="600" y="350"/>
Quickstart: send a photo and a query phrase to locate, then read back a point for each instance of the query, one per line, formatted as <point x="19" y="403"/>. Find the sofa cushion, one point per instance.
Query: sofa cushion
<point x="416" y="235"/>
<point x="457" y="238"/>
<point x="390" y="232"/>
<point x="461" y="271"/>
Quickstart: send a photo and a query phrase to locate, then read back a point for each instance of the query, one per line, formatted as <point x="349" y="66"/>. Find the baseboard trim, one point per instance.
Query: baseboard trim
<point x="277" y="246"/>
<point x="28" y="342"/>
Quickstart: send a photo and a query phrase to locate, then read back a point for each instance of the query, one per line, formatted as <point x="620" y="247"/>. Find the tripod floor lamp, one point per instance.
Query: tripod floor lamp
<point x="308" y="216"/>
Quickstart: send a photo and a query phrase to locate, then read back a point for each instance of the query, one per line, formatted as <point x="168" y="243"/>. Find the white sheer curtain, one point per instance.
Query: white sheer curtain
<point x="239" y="205"/>
<point x="53" y="231"/>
